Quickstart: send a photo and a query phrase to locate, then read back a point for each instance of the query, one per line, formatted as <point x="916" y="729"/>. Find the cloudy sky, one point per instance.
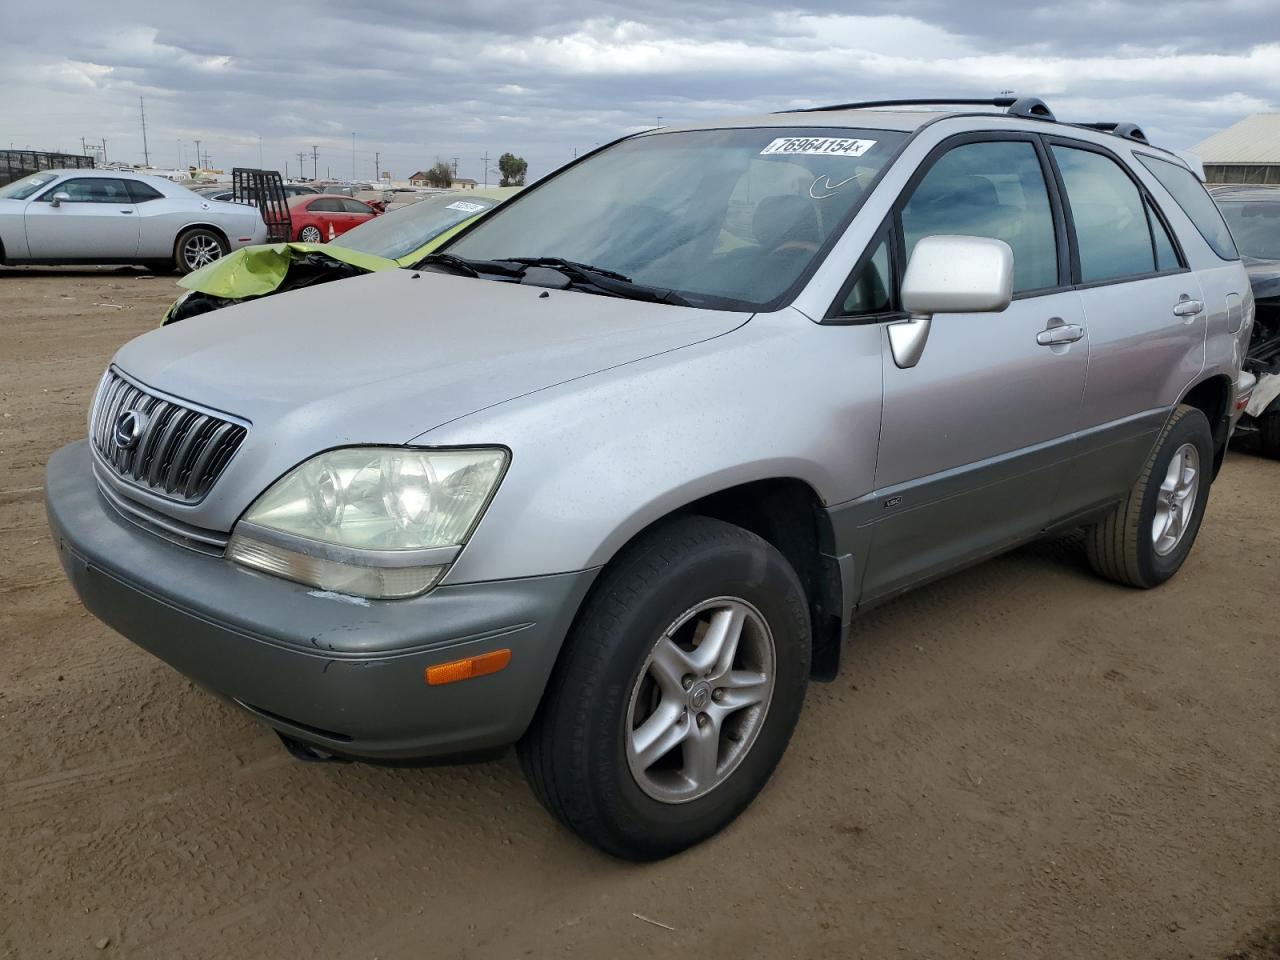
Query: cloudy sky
<point x="418" y="81"/>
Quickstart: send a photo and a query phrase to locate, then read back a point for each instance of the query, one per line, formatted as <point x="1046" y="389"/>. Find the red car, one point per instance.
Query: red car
<point x="319" y="218"/>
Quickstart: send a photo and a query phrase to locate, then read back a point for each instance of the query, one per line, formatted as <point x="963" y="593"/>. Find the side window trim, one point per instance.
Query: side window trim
<point x="1149" y="201"/>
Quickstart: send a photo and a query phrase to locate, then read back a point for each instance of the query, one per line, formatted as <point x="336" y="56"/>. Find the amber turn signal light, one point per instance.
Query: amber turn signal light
<point x="456" y="670"/>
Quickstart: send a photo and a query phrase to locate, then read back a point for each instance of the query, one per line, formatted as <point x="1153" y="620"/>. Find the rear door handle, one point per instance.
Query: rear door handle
<point x="1058" y="333"/>
<point x="1186" y="307"/>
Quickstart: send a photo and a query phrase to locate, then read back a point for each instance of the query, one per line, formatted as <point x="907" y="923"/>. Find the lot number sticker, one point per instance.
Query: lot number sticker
<point x="819" y="146"/>
<point x="465" y="206"/>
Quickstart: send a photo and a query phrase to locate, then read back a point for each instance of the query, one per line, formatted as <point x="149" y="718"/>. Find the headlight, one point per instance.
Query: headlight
<point x="372" y="521"/>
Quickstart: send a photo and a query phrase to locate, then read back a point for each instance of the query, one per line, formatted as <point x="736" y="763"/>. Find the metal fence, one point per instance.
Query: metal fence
<point x="16" y="164"/>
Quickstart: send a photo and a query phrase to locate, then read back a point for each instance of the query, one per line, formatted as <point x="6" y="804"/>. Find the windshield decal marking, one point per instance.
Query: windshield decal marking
<point x="829" y="189"/>
<point x="465" y="206"/>
<point x="819" y="146"/>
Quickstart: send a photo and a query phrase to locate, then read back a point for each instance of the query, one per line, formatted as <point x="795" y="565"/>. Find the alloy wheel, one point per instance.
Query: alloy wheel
<point x="1176" y="499"/>
<point x="700" y="700"/>
<point x="200" y="251"/>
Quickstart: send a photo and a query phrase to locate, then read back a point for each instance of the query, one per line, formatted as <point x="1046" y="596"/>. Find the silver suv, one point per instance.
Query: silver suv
<point x="610" y="477"/>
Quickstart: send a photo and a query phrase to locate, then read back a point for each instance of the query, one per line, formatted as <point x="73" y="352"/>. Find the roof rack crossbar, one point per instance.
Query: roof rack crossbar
<point x="1130" y="131"/>
<point x="1030" y="108"/>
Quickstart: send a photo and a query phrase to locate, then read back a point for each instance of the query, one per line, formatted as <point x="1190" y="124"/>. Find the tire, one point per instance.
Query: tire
<point x="576" y="753"/>
<point x="196" y="248"/>
<point x="1269" y="434"/>
<point x="310" y="234"/>
<point x="1127" y="546"/>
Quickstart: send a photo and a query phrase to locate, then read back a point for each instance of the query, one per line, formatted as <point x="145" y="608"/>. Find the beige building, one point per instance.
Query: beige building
<point x="1247" y="152"/>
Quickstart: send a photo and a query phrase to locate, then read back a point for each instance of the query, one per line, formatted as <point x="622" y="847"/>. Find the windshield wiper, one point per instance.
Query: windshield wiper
<point x="609" y="282"/>
<point x="467" y="267"/>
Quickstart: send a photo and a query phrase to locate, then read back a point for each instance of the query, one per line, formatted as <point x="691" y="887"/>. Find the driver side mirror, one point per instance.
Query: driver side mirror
<point x="60" y="198"/>
<point x="949" y="275"/>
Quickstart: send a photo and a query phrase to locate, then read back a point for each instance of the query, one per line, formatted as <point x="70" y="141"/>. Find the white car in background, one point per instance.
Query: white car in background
<point x="115" y="216"/>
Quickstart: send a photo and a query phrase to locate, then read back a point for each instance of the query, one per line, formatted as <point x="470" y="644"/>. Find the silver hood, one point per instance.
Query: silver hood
<point x="384" y="358"/>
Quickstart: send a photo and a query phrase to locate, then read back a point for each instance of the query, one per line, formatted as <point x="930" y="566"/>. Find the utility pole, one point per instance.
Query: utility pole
<point x="377" y="167"/>
<point x="146" y="154"/>
<point x="315" y="162"/>
<point x="486" y="168"/>
<point x="197" y="153"/>
<point x="104" y="151"/>
<point x="259" y="153"/>
<point x="353" y="154"/>
<point x="302" y="156"/>
<point x="84" y="151"/>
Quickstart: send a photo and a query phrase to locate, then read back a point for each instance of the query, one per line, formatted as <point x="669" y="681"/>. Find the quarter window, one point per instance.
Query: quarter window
<point x="142" y="192"/>
<point x="992" y="190"/>
<point x="1113" y="236"/>
<point x="1186" y="188"/>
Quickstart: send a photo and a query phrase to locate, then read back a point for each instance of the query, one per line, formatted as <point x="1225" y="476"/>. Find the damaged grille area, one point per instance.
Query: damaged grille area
<point x="159" y="444"/>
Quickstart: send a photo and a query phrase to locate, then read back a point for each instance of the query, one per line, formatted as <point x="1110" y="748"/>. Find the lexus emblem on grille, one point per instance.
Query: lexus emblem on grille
<point x="129" y="427"/>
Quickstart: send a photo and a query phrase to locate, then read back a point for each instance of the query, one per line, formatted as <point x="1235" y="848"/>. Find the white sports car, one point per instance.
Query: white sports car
<point x="115" y="216"/>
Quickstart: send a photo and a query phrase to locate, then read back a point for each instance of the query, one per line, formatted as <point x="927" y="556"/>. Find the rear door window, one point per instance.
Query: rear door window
<point x="1113" y="236"/>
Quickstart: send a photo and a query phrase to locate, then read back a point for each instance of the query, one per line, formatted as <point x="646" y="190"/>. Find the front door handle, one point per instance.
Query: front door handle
<point x="1186" y="307"/>
<point x="1058" y="333"/>
<point x="126" y="211"/>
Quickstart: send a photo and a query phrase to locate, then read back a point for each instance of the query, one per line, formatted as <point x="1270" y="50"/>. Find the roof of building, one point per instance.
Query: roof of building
<point x="1255" y="139"/>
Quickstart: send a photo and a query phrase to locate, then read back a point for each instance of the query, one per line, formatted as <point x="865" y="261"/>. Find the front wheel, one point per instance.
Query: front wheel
<point x="676" y="693"/>
<point x="1145" y="540"/>
<point x="197" y="248"/>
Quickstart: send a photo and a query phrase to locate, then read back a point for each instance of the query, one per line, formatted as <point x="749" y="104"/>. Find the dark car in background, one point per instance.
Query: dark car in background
<point x="1253" y="214"/>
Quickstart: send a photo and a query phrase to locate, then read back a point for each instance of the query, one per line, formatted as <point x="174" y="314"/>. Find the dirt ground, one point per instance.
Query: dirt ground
<point x="1020" y="761"/>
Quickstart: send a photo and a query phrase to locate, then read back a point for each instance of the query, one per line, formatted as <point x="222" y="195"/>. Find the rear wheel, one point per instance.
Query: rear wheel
<point x="197" y="248"/>
<point x="1269" y="434"/>
<point x="676" y="693"/>
<point x="1147" y="537"/>
<point x="310" y="234"/>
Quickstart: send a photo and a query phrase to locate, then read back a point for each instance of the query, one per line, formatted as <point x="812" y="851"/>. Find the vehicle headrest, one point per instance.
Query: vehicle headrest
<point x="785" y="217"/>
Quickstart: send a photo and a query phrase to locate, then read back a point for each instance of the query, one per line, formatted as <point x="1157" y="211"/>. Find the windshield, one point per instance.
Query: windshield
<point x="21" y="189"/>
<point x="728" y="219"/>
<point x="1255" y="226"/>
<point x="400" y="232"/>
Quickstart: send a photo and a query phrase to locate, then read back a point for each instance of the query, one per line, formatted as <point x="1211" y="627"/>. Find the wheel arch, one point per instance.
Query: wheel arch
<point x="1212" y="397"/>
<point x="201" y="225"/>
<point x="787" y="513"/>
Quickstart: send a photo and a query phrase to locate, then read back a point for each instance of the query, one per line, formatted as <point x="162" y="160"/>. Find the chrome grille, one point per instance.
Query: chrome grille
<point x="179" y="451"/>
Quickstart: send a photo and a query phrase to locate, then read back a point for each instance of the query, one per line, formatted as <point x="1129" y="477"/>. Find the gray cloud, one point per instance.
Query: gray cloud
<point x="547" y="79"/>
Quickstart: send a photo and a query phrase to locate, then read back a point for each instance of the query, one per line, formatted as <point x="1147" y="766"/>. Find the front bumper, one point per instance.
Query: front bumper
<point x="343" y="673"/>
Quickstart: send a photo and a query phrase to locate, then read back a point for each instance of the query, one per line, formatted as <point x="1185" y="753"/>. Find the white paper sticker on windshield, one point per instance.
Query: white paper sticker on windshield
<point x="819" y="146"/>
<point x="466" y="206"/>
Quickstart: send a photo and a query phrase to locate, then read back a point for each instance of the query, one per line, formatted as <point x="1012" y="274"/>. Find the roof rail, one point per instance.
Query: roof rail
<point x="1031" y="108"/>
<point x="1130" y="131"/>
